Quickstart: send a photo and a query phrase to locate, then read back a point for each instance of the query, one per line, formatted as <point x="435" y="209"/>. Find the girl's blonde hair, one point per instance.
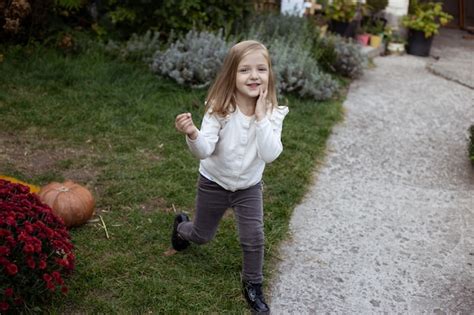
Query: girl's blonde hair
<point x="221" y="95"/>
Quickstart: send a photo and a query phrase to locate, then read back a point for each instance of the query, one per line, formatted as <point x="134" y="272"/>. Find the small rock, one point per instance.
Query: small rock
<point x="375" y="303"/>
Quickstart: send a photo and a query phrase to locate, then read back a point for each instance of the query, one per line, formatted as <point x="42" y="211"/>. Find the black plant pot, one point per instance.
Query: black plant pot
<point x="418" y="44"/>
<point x="344" y="29"/>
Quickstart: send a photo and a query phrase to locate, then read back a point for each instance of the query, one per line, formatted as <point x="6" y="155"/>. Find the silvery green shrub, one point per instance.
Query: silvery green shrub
<point x="297" y="72"/>
<point x="347" y="58"/>
<point x="137" y="47"/>
<point x="193" y="60"/>
<point x="333" y="54"/>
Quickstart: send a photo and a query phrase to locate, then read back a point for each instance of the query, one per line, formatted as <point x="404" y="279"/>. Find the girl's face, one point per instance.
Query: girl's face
<point x="252" y="76"/>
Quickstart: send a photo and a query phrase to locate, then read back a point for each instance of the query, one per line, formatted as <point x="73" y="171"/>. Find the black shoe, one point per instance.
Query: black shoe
<point x="177" y="241"/>
<point x="254" y="296"/>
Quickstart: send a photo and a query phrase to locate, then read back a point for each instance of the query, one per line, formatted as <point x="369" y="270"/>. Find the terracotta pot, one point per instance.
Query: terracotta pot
<point x="363" y="39"/>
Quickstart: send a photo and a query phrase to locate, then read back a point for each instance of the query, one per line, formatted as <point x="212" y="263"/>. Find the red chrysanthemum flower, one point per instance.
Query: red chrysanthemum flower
<point x="35" y="252"/>
<point x="30" y="262"/>
<point x="8" y="292"/>
<point x="51" y="286"/>
<point x="47" y="277"/>
<point x="42" y="264"/>
<point x="12" y="269"/>
<point x="4" y="251"/>
<point x="64" y="289"/>
<point x="28" y="249"/>
<point x="4" y="306"/>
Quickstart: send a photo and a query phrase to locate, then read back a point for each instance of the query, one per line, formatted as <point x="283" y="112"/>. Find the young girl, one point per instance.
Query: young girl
<point x="239" y="134"/>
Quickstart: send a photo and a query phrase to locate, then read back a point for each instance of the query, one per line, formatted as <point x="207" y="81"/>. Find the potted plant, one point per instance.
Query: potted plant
<point x="363" y="37"/>
<point x="376" y="31"/>
<point x="376" y="22"/>
<point x="340" y="13"/>
<point x="396" y="45"/>
<point x="395" y="41"/>
<point x="423" y="22"/>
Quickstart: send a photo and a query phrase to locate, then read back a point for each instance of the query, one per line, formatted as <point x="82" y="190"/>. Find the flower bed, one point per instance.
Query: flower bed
<point x="35" y="249"/>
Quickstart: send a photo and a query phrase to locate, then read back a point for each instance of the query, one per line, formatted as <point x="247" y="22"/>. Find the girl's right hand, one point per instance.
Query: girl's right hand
<point x="184" y="124"/>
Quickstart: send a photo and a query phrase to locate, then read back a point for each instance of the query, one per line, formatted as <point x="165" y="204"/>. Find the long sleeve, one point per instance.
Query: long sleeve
<point x="268" y="130"/>
<point x="205" y="143"/>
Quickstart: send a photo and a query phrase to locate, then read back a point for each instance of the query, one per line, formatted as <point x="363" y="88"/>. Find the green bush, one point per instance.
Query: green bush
<point x="137" y="48"/>
<point x="24" y="21"/>
<point x="341" y="10"/>
<point x="426" y="17"/>
<point x="377" y="5"/>
<point x="120" y="19"/>
<point x="471" y="144"/>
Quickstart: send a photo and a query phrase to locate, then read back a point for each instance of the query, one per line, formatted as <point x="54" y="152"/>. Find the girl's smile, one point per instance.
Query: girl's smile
<point x="253" y="85"/>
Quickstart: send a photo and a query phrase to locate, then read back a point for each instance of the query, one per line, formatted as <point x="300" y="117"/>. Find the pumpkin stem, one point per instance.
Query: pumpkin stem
<point x="63" y="189"/>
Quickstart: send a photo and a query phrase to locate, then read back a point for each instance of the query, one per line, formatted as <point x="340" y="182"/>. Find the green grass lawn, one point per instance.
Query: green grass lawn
<point x="109" y="125"/>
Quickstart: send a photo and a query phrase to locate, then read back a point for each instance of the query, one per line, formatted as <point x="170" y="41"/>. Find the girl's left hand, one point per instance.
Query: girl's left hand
<point x="261" y="107"/>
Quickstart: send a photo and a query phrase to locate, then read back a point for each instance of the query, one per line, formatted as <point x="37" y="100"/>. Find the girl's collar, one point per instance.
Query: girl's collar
<point x="239" y="112"/>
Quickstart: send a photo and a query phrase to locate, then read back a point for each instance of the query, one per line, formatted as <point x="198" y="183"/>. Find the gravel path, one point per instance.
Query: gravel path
<point x="388" y="226"/>
<point x="455" y="57"/>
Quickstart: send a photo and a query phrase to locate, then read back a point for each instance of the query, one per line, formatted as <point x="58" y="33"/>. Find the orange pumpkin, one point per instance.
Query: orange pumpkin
<point x="70" y="201"/>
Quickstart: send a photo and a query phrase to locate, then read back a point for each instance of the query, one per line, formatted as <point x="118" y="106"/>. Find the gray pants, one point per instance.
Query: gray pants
<point x="211" y="203"/>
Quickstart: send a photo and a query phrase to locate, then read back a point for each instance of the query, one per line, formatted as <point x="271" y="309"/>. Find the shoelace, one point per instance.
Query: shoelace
<point x="252" y="294"/>
<point x="253" y="291"/>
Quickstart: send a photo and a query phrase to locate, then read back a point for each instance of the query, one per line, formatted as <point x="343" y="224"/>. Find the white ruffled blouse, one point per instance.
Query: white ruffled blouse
<point x="234" y="149"/>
